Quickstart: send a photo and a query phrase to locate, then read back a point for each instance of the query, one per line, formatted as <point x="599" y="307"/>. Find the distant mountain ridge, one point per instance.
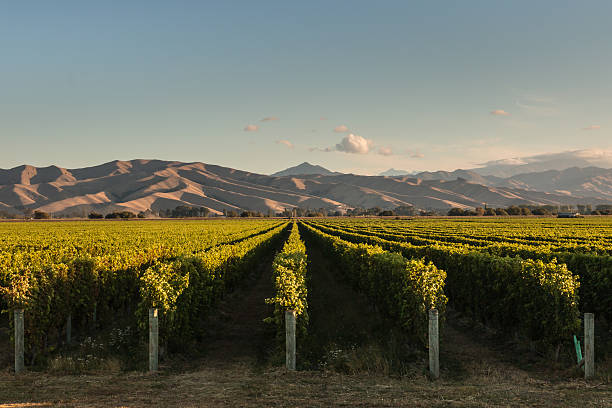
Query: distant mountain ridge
<point x="304" y="168"/>
<point x="395" y="172"/>
<point x="140" y="185"/>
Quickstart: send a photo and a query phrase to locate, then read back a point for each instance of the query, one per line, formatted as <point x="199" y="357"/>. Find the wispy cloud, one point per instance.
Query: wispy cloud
<point x="319" y="149"/>
<point x="415" y="154"/>
<point x="539" y="108"/>
<point x="251" y="128"/>
<point x="579" y="158"/>
<point x="385" y="151"/>
<point x="592" y="127"/>
<point x="269" y="118"/>
<point x="286" y="143"/>
<point x="354" y="144"/>
<point x="341" y="129"/>
<point x="499" y="112"/>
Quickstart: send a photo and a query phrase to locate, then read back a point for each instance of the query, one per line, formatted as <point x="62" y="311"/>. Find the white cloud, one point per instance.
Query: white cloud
<point x="269" y="118"/>
<point x="341" y="129"/>
<point x="385" y="151"/>
<point x="286" y="143"/>
<point x="560" y="160"/>
<point x="592" y="127"/>
<point x="251" y="128"/>
<point x="499" y="112"/>
<point x="354" y="144"/>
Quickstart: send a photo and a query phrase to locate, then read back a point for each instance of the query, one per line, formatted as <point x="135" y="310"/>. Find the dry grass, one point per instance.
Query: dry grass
<point x="245" y="386"/>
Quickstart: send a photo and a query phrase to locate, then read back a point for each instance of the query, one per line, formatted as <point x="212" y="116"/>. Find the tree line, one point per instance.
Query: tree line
<point x="185" y="211"/>
<point x="586" y="209"/>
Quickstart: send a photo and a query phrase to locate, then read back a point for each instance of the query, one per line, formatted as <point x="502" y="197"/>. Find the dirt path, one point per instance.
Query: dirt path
<point x="341" y="319"/>
<point x="235" y="332"/>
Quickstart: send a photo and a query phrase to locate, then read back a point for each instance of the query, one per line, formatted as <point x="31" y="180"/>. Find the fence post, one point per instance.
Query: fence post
<point x="434" y="348"/>
<point x="589" y="345"/>
<point x="69" y="329"/>
<point x="19" y="346"/>
<point x="290" y="339"/>
<point x="153" y="340"/>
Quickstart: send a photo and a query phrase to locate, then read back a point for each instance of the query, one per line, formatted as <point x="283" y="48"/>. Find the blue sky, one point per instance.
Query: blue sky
<point x="418" y="85"/>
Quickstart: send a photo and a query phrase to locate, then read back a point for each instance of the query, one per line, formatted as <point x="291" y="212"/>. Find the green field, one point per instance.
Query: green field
<point x="361" y="288"/>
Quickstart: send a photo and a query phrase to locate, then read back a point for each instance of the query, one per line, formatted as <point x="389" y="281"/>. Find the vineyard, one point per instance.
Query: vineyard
<point x="530" y="279"/>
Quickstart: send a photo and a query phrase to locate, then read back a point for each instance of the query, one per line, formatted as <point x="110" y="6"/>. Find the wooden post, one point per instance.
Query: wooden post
<point x="589" y="345"/>
<point x="19" y="349"/>
<point x="290" y="339"/>
<point x="434" y="347"/>
<point x="68" y="329"/>
<point x="153" y="340"/>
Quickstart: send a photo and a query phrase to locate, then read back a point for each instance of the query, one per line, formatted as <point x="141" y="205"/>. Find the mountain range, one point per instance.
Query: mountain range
<point x="140" y="185"/>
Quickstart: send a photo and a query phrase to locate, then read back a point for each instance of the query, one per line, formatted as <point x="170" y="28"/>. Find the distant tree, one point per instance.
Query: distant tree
<point x="121" y="214"/>
<point x="386" y="213"/>
<point x="513" y="210"/>
<point x="315" y="213"/>
<point x="525" y="211"/>
<point x="456" y="211"/>
<point x="95" y="216"/>
<point x="479" y="211"/>
<point x="41" y="215"/>
<point x="489" y="212"/>
<point x="232" y="213"/>
<point x="429" y="213"/>
<point x="501" y="211"/>
<point x="540" y="211"/>
<point x="373" y="211"/>
<point x="405" y="210"/>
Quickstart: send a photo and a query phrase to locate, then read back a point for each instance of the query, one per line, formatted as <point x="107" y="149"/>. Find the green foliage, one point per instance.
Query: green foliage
<point x="289" y="272"/>
<point x="585" y="246"/>
<point x="120" y="270"/>
<point x="162" y="283"/>
<point x="289" y="269"/>
<point x="535" y="298"/>
<point x="402" y="289"/>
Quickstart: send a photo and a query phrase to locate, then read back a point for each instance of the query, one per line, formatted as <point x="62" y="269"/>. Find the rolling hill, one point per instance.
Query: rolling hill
<point x="140" y="185"/>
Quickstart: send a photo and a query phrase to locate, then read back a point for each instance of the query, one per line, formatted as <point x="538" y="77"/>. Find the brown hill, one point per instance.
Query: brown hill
<point x="139" y="185"/>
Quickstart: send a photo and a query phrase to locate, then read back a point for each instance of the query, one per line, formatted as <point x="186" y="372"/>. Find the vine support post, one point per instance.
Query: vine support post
<point x="19" y="341"/>
<point x="589" y="345"/>
<point x="434" y="344"/>
<point x="290" y="339"/>
<point x="153" y="340"/>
